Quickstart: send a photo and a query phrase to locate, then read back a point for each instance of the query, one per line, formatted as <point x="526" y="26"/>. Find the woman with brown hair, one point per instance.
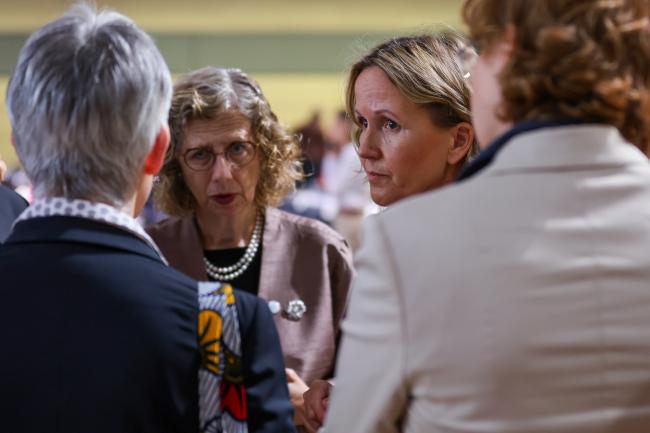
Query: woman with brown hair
<point x="229" y="163"/>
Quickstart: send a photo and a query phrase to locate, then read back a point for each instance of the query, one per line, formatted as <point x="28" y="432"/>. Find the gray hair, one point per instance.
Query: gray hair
<point x="86" y="101"/>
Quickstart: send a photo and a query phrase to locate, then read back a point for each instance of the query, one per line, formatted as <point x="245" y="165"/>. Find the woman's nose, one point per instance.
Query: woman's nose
<point x="368" y="146"/>
<point x="222" y="168"/>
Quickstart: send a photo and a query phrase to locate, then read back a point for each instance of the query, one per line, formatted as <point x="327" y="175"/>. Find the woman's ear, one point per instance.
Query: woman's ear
<point x="154" y="161"/>
<point x="463" y="135"/>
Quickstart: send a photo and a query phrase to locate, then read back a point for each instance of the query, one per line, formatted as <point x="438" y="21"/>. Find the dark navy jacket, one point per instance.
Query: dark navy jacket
<point x="98" y="335"/>
<point x="11" y="205"/>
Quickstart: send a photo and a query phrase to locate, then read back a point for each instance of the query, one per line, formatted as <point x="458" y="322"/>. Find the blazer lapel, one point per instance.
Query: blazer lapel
<point x="191" y="255"/>
<point x="274" y="255"/>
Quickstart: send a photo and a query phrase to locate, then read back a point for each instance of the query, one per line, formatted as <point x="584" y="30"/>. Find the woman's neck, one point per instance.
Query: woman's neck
<point x="221" y="232"/>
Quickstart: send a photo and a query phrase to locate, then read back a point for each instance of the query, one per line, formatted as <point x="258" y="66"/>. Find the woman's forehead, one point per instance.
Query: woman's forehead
<point x="224" y="128"/>
<point x="376" y="94"/>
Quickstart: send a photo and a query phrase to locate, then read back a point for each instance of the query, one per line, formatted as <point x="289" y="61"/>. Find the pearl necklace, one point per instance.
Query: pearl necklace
<point x="229" y="273"/>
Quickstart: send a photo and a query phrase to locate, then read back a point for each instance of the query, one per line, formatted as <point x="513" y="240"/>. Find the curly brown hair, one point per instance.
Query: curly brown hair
<point x="206" y="93"/>
<point x="578" y="59"/>
<point x="426" y="70"/>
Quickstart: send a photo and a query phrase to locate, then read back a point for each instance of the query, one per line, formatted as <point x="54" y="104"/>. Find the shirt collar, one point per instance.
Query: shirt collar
<point x="487" y="155"/>
<point x="100" y="212"/>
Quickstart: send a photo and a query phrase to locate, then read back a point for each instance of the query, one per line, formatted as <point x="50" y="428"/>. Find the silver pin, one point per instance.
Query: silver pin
<point x="295" y="309"/>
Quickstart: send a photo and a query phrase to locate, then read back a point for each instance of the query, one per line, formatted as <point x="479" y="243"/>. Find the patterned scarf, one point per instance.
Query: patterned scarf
<point x="222" y="396"/>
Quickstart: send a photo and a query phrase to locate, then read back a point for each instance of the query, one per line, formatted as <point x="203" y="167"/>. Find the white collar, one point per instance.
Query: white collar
<point x="101" y="212"/>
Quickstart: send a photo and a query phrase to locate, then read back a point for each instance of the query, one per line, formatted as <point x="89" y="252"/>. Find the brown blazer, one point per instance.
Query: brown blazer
<point x="301" y="259"/>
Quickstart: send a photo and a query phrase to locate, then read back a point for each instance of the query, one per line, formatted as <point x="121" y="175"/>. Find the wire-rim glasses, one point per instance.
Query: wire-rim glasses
<point x="203" y="158"/>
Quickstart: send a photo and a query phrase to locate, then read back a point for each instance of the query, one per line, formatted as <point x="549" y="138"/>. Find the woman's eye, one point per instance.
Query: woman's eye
<point x="391" y="124"/>
<point x="363" y="122"/>
<point x="237" y="149"/>
<point x="199" y="154"/>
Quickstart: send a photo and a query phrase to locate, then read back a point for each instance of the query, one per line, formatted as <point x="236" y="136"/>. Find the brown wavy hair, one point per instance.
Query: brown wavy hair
<point x="579" y="59"/>
<point x="206" y="93"/>
<point x="426" y="70"/>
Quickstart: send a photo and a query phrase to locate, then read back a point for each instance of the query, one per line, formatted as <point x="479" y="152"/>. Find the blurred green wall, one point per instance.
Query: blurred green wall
<point x="298" y="50"/>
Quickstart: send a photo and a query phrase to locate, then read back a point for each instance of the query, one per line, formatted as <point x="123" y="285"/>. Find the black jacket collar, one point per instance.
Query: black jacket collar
<point x="83" y="231"/>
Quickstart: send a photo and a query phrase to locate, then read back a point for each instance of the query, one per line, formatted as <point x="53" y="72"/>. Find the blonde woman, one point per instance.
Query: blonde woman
<point x="409" y="100"/>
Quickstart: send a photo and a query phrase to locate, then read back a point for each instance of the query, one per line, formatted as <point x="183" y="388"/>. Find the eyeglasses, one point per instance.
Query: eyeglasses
<point x="467" y="57"/>
<point x="237" y="154"/>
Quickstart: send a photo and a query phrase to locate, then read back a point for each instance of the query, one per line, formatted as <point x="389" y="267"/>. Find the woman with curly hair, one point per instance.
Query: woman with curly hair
<point x="515" y="300"/>
<point x="229" y="163"/>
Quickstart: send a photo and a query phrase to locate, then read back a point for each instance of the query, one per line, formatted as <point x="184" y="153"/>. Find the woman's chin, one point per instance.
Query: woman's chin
<point x="382" y="198"/>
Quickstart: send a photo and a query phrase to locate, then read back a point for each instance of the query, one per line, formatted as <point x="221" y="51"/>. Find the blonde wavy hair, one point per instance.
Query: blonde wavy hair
<point x="206" y="93"/>
<point x="579" y="59"/>
<point x="425" y="69"/>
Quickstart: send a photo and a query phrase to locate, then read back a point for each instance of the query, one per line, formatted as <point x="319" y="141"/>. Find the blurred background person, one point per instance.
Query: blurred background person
<point x="230" y="162"/>
<point x="312" y="143"/>
<point x="342" y="178"/>
<point x="339" y="195"/>
<point x="308" y="199"/>
<point x="410" y="100"/>
<point x="515" y="300"/>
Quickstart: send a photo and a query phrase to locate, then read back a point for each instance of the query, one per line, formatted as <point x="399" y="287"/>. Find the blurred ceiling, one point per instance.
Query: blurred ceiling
<point x="250" y="16"/>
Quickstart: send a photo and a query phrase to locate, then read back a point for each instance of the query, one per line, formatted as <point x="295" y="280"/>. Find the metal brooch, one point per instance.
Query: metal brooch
<point x="295" y="310"/>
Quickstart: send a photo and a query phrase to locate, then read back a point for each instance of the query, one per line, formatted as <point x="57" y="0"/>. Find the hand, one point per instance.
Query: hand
<point x="296" y="389"/>
<point x="315" y="404"/>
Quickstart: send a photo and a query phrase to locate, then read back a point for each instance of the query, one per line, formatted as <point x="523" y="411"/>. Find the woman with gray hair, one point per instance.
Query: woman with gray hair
<point x="131" y="344"/>
<point x="229" y="164"/>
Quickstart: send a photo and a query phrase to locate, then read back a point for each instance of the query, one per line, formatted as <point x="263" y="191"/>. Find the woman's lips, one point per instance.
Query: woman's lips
<point x="223" y="199"/>
<point x="374" y="177"/>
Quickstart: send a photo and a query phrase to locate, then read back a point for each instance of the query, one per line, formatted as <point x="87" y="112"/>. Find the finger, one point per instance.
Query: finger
<point x="291" y="374"/>
<point x="320" y="398"/>
<point x="311" y="425"/>
<point x="319" y="411"/>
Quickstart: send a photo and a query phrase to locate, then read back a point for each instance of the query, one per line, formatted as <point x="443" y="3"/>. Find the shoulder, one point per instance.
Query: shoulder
<point x="172" y="233"/>
<point x="428" y="228"/>
<point x="433" y="209"/>
<point x="154" y="277"/>
<point x="305" y="229"/>
<point x="166" y="227"/>
<point x="310" y="236"/>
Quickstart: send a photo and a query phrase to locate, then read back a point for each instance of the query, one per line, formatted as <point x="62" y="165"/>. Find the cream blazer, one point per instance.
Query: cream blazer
<point x="517" y="301"/>
<point x="301" y="259"/>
